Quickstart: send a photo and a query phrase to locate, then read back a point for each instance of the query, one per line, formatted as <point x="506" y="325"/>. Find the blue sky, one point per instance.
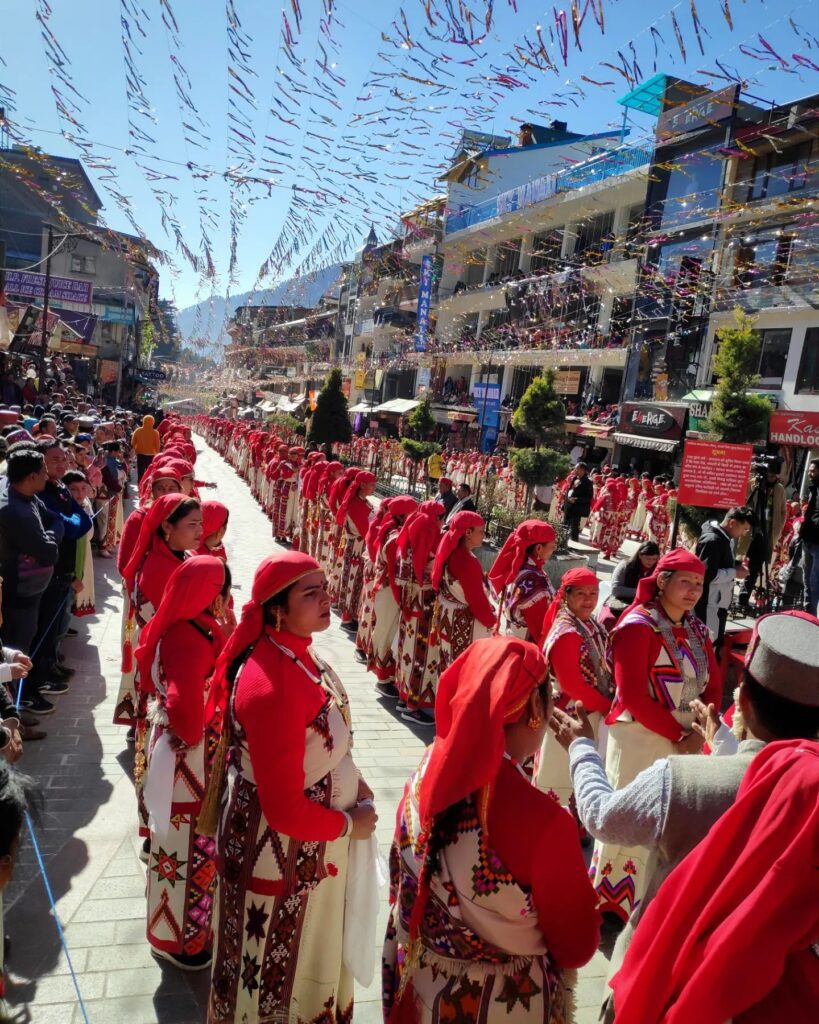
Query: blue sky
<point x="384" y="89"/>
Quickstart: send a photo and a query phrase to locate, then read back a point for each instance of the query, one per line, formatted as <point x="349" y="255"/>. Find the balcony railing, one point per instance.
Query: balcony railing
<point x="599" y="168"/>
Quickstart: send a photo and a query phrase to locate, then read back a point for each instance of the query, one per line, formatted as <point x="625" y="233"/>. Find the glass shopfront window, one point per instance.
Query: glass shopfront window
<point x="773" y="356"/>
<point x="693" y="188"/>
<point x="807" y="378"/>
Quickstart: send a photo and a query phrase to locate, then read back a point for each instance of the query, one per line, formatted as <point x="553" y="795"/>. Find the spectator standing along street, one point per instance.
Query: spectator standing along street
<point x="809" y="533"/>
<point x="716" y="549"/>
<point x="146" y="442"/>
<point x="29" y="549"/>
<point x="578" y="500"/>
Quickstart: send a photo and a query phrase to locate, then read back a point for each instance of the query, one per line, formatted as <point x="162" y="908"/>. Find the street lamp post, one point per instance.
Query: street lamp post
<point x="46" y="296"/>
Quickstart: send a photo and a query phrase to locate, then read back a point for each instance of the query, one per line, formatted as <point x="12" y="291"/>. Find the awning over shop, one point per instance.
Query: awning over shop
<point x="360" y="407"/>
<point x="397" y="406"/>
<point x="652" y="443"/>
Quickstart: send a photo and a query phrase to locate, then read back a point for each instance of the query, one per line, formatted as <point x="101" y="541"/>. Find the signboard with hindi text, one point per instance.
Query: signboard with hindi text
<point x="714" y="474"/>
<point x="567" y="382"/>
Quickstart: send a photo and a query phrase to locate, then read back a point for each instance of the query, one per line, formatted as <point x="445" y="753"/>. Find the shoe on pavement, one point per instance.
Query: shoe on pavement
<point x="130" y="736"/>
<point x="61" y="673"/>
<point x="350" y="627"/>
<point x="30" y="734"/>
<point x="401" y="705"/>
<point x="197" y="962"/>
<point x="38" y="705"/>
<point x="26" y="717"/>
<point x="360" y="656"/>
<point x="72" y="632"/>
<point x="418" y="718"/>
<point x="54" y="688"/>
<point x="388" y="690"/>
<point x="145" y="852"/>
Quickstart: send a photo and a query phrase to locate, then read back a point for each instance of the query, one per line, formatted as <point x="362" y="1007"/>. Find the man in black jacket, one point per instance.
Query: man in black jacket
<point x="47" y="676"/>
<point x="446" y="496"/>
<point x="465" y="502"/>
<point x="578" y="500"/>
<point x="715" y="548"/>
<point x="809" y="534"/>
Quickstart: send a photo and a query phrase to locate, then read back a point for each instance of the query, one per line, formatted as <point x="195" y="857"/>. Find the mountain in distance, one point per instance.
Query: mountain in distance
<point x="300" y="291"/>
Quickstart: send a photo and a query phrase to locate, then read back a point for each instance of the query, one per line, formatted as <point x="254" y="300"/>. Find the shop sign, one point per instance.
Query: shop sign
<point x="567" y="382"/>
<point x="650" y="419"/>
<point x="488" y="400"/>
<point x="360" y="377"/>
<point x="714" y="474"/>
<point x="422" y="379"/>
<point x="699" y="113"/>
<point x="800" y="429"/>
<point x="62" y="289"/>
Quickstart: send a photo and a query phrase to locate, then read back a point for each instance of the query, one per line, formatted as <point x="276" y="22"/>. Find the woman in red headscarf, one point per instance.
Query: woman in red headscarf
<point x="292" y="804"/>
<point x="575" y="648"/>
<point x="353" y="516"/>
<point x="464" y="610"/>
<point x="176" y="656"/>
<point x="147" y="551"/>
<point x="382" y="597"/>
<point x="365" y="607"/>
<point x="335" y="495"/>
<point x="490" y="897"/>
<point x="518" y="578"/>
<point x="327" y="524"/>
<point x="418" y="653"/>
<point x="661" y="659"/>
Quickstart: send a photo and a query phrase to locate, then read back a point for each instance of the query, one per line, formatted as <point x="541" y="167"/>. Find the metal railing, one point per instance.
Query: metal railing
<point x="598" y="168"/>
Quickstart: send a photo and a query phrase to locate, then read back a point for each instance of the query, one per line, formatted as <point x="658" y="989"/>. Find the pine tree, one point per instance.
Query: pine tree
<point x="330" y="423"/>
<point x="421" y="420"/>
<point x="541" y="414"/>
<point x="736" y="416"/>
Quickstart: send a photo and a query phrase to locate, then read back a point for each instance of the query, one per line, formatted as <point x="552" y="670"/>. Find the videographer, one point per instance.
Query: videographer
<point x="767" y="501"/>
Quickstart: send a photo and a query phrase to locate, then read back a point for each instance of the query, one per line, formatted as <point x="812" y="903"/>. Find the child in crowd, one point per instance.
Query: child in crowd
<point x="83" y="585"/>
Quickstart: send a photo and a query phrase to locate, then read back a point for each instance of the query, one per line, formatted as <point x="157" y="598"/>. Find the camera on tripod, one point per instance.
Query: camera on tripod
<point x="761" y="466"/>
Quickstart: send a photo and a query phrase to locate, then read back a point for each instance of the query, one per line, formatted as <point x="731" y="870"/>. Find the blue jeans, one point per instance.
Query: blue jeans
<point x="812" y="576"/>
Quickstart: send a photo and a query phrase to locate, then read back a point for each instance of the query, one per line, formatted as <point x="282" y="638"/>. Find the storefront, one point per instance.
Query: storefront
<point x="596" y="439"/>
<point x="649" y="436"/>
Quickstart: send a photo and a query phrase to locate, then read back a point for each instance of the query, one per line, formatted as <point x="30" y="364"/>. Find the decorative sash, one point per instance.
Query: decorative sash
<point x="593" y="662"/>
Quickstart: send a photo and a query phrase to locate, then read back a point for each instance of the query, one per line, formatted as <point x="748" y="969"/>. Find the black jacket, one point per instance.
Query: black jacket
<point x="715" y="550"/>
<point x="29" y="544"/>
<point x="76" y="523"/>
<point x="448" y="500"/>
<point x="582" y="490"/>
<point x="809" y="530"/>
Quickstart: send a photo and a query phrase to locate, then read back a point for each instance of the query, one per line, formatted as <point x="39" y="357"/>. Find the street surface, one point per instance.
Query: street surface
<point x="89" y="832"/>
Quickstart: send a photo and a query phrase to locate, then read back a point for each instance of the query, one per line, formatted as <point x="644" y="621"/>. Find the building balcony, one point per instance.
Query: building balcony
<point x="765" y="291"/>
<point x="555" y="358"/>
<point x="600" y="168"/>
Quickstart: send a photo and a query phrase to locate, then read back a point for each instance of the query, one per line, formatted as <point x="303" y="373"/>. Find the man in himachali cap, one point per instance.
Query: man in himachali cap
<point x="680" y="799"/>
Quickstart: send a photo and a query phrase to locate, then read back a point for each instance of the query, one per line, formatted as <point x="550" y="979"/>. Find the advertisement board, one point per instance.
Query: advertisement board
<point x="714" y="474"/>
<point x="488" y="403"/>
<point x="424" y="301"/>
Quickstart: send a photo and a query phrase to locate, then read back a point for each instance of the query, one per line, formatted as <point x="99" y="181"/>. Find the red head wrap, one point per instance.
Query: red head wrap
<point x="573" y="578"/>
<point x="483" y="690"/>
<point x="403" y="505"/>
<point x="331" y="473"/>
<point x="214" y="517"/>
<point x="458" y="525"/>
<point x="421" y="533"/>
<point x="359" y="480"/>
<point x="513" y="553"/>
<point x="192" y="588"/>
<point x="445" y="480"/>
<point x="155" y="516"/>
<point x="338" y="488"/>
<point x="678" y="560"/>
<point x="275" y="573"/>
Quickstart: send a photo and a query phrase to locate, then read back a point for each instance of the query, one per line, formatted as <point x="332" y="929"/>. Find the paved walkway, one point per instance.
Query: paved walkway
<point x="88" y="835"/>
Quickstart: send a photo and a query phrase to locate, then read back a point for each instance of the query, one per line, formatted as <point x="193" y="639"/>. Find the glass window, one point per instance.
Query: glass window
<point x="807" y="379"/>
<point x="777" y="174"/>
<point x="773" y="356"/>
<point x="89" y="264"/>
<point x="692" y="192"/>
<point x="76" y="264"/>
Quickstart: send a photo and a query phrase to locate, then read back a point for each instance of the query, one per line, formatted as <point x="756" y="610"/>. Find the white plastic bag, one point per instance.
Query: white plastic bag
<point x="366" y="878"/>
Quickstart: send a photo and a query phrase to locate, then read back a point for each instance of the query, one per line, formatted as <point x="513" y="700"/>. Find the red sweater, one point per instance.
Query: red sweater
<point x="635" y="651"/>
<point x="564" y="657"/>
<point x="537" y="841"/>
<point x="275" y="703"/>
<point x="467" y="570"/>
<point x="188" y="658"/>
